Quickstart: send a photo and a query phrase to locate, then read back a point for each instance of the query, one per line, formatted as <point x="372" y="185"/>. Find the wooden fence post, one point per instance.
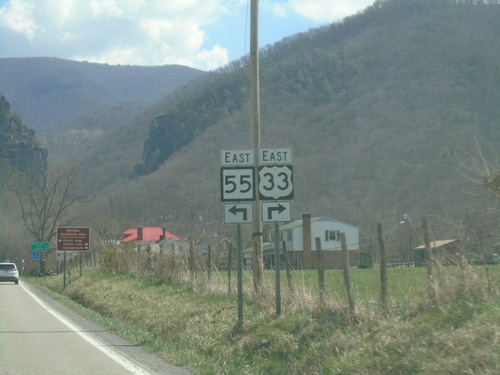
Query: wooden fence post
<point x="287" y="267"/>
<point x="321" y="272"/>
<point x="209" y="266"/>
<point x="429" y="262"/>
<point x="383" y="267"/>
<point x="192" y="261"/>
<point x="347" y="276"/>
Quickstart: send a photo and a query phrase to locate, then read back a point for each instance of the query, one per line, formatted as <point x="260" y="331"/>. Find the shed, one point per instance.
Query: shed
<point x="447" y="251"/>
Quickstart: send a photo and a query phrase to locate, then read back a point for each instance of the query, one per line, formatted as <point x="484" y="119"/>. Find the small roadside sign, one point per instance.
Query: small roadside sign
<point x="73" y="239"/>
<point x="35" y="255"/>
<point x="39" y="246"/>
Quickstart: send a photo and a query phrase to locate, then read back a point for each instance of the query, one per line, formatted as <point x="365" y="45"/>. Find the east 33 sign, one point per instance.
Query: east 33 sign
<point x="276" y="182"/>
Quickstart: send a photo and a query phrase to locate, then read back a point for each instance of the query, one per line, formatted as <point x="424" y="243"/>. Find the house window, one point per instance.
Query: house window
<point x="332" y="235"/>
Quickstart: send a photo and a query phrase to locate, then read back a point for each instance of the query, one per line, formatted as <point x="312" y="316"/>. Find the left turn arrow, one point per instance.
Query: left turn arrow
<point x="235" y="210"/>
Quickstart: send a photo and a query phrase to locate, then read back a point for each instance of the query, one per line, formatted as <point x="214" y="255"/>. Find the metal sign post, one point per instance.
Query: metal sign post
<point x="73" y="239"/>
<point x="275" y="184"/>
<point x="240" y="278"/>
<point x="64" y="271"/>
<point x="277" y="267"/>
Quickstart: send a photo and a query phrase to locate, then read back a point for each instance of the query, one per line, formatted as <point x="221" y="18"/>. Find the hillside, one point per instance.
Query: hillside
<point x="19" y="150"/>
<point x="54" y="94"/>
<point x="374" y="108"/>
<point x="70" y="104"/>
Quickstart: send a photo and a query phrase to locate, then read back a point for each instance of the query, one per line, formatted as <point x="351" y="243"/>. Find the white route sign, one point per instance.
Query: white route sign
<point x="237" y="157"/>
<point x="272" y="156"/>
<point x="238" y="213"/>
<point x="276" y="211"/>
<point x="237" y="183"/>
<point x="276" y="182"/>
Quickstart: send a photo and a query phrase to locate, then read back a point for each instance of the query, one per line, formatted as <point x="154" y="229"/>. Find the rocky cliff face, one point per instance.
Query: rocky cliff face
<point x="18" y="148"/>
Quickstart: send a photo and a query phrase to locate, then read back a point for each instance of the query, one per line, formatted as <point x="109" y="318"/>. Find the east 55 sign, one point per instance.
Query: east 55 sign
<point x="237" y="184"/>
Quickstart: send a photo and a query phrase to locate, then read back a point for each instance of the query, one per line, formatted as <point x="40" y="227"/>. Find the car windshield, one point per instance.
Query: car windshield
<point x="7" y="266"/>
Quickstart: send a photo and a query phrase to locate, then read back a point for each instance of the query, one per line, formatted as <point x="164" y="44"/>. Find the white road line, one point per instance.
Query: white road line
<point x="125" y="363"/>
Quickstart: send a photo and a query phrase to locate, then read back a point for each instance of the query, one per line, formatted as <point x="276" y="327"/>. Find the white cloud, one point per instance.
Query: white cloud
<point x="328" y="10"/>
<point x="117" y="56"/>
<point x="279" y="9"/>
<point x="214" y="58"/>
<point x="17" y="15"/>
<point x="108" y="8"/>
<point x="68" y="37"/>
<point x="59" y="14"/>
<point x="316" y="10"/>
<point x="153" y="32"/>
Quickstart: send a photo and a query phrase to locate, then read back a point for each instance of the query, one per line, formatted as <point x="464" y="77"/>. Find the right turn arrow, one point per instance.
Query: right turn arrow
<point x="280" y="208"/>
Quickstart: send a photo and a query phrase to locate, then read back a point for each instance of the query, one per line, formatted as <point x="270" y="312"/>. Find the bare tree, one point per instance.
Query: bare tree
<point x="492" y="183"/>
<point x="45" y="200"/>
<point x="483" y="169"/>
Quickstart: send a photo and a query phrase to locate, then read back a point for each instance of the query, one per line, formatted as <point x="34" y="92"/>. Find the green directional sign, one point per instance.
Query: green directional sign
<point x="40" y="246"/>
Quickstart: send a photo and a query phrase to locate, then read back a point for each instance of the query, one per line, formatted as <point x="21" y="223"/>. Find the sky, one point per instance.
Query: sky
<point x="202" y="34"/>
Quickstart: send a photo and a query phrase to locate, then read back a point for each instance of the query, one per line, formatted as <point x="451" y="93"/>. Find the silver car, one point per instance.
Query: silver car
<point x="9" y="272"/>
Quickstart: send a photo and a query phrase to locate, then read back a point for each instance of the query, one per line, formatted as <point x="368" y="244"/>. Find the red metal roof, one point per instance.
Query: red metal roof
<point x="149" y="234"/>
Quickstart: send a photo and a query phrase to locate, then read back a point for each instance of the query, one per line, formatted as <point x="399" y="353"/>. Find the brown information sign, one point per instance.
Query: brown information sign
<point x="73" y="239"/>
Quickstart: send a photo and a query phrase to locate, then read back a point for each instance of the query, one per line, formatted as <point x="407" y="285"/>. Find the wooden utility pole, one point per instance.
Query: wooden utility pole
<point x="257" y="267"/>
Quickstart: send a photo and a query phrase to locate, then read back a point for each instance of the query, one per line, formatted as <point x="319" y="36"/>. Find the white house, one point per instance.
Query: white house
<point x="300" y="241"/>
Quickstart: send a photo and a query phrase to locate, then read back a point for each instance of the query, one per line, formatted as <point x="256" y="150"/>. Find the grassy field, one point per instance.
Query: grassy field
<point x="193" y="323"/>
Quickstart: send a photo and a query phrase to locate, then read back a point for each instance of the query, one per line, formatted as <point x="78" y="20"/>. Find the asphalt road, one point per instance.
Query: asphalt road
<point x="40" y="336"/>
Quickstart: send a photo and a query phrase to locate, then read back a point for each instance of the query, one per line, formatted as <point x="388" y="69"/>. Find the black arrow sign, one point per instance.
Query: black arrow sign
<point x="280" y="208"/>
<point x="234" y="210"/>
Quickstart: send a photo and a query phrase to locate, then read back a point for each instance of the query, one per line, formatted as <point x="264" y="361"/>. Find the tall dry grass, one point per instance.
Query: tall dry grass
<point x="407" y="287"/>
<point x="190" y="317"/>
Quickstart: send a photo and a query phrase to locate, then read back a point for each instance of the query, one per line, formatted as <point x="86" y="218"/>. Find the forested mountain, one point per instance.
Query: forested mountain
<point x="384" y="112"/>
<point x="70" y="104"/>
<point x="343" y="63"/>
<point x="54" y="94"/>
<point x="19" y="150"/>
<point x="374" y="108"/>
